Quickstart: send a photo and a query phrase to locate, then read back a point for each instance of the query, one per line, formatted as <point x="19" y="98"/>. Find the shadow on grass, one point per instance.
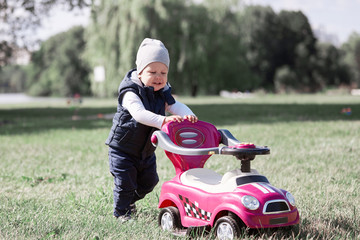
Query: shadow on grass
<point x="30" y="120"/>
<point x="36" y="120"/>
<point x="230" y="114"/>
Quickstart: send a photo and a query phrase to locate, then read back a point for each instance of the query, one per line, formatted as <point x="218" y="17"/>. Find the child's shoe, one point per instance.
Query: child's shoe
<point x="125" y="218"/>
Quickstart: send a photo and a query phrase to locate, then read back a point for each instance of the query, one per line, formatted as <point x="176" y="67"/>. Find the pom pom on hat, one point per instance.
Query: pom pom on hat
<point x="151" y="50"/>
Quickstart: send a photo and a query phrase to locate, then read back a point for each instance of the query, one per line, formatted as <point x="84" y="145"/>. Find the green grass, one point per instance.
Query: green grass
<point x="55" y="181"/>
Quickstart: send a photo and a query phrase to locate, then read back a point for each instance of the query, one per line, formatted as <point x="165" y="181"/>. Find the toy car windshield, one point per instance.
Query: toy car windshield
<point x="251" y="179"/>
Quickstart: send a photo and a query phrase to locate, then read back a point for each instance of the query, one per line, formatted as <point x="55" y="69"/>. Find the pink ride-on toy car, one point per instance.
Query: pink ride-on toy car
<point x="198" y="197"/>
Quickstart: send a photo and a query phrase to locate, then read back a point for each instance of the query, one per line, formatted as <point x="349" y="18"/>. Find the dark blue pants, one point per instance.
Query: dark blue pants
<point x="133" y="179"/>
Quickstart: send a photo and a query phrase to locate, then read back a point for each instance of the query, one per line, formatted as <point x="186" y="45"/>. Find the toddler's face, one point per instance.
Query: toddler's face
<point x="154" y="75"/>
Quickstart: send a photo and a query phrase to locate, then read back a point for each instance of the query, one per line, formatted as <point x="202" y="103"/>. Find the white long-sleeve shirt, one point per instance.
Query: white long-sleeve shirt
<point x="133" y="104"/>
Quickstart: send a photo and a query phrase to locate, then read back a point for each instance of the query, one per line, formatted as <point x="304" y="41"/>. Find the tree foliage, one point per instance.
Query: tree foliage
<point x="279" y="46"/>
<point x="58" y="68"/>
<point x="113" y="35"/>
<point x="352" y="57"/>
<point x="13" y="79"/>
<point x="5" y="53"/>
<point x="260" y="36"/>
<point x="205" y="56"/>
<point x="283" y="51"/>
<point x="214" y="45"/>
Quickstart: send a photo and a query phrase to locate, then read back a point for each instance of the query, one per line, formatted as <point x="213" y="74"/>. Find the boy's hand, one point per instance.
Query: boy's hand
<point x="172" y="118"/>
<point x="191" y="118"/>
<point x="177" y="118"/>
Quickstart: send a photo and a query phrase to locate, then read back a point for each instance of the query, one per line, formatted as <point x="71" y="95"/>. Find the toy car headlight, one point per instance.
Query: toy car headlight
<point x="250" y="202"/>
<point x="290" y="198"/>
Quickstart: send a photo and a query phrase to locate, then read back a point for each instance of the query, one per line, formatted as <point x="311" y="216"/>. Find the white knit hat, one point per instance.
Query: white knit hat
<point x="151" y="50"/>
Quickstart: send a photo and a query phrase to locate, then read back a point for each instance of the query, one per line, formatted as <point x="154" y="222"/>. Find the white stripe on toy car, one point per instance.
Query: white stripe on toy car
<point x="261" y="188"/>
<point x="267" y="187"/>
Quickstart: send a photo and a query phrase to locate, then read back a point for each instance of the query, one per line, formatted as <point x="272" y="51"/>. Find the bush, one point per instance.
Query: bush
<point x="58" y="67"/>
<point x="13" y="79"/>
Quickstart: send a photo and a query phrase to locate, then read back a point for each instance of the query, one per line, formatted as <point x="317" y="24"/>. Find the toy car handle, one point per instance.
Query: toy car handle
<point x="160" y="138"/>
<point x="229" y="140"/>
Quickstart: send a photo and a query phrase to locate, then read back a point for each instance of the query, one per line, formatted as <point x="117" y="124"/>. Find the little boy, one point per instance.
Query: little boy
<point x="144" y="97"/>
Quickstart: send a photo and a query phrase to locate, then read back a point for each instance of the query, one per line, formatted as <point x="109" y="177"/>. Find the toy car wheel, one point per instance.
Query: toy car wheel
<point x="227" y="228"/>
<point x="169" y="219"/>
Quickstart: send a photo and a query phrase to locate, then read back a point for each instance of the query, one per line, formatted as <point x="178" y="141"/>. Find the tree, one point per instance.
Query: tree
<point x="205" y="56"/>
<point x="280" y="47"/>
<point x="13" y="79"/>
<point x="58" y="69"/>
<point x="5" y="53"/>
<point x="352" y="57"/>
<point x="19" y="19"/>
<point x="299" y="50"/>
<point x="115" y="31"/>
<point x="260" y="36"/>
<point x="331" y="66"/>
<point x="228" y="68"/>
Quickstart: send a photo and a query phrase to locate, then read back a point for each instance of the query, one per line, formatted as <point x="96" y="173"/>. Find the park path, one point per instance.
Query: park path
<point x="16" y="98"/>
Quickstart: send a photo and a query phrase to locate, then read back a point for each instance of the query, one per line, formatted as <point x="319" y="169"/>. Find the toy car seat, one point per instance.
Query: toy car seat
<point x="191" y="135"/>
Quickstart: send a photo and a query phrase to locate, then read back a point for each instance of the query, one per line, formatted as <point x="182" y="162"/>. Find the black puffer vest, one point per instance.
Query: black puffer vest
<point x="128" y="135"/>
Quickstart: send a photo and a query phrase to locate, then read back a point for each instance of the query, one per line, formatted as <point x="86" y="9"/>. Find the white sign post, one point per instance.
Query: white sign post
<point x="99" y="74"/>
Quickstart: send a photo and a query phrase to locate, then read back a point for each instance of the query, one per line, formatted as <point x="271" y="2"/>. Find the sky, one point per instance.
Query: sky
<point x="61" y="21"/>
<point x="335" y="17"/>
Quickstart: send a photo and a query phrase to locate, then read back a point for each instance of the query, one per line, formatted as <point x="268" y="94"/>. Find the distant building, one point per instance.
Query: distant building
<point x="20" y="56"/>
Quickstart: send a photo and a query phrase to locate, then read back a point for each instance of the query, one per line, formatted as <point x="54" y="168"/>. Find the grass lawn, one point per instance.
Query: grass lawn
<point x="55" y="181"/>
